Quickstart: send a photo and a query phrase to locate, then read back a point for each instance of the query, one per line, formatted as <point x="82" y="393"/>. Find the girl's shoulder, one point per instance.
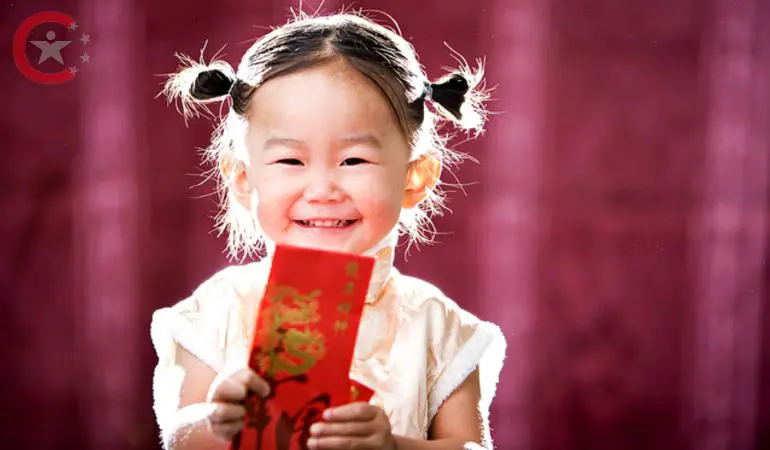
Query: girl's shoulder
<point x="210" y="319"/>
<point x="420" y="296"/>
<point x="458" y="341"/>
<point x="419" y="303"/>
<point x="230" y="284"/>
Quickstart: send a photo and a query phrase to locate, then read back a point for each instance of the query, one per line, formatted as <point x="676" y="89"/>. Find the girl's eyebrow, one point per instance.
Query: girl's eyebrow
<point x="347" y="141"/>
<point x="283" y="142"/>
<point x="360" y="139"/>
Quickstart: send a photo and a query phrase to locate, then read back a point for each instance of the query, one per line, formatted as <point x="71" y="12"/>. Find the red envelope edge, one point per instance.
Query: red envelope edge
<point x="360" y="392"/>
<point x="303" y="344"/>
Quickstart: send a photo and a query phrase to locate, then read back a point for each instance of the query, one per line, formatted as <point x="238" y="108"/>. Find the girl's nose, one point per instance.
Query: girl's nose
<point x="322" y="187"/>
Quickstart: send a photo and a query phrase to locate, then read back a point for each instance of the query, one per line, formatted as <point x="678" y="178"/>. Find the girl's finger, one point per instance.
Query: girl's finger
<point x="359" y="429"/>
<point x="340" y="443"/>
<point x="230" y="390"/>
<point x="256" y="383"/>
<point x="352" y="412"/>
<point x="226" y="431"/>
<point x="227" y="413"/>
<point x="252" y="381"/>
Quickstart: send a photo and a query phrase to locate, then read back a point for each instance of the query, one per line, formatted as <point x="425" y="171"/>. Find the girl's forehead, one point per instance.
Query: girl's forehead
<point x="333" y="74"/>
<point x="331" y="93"/>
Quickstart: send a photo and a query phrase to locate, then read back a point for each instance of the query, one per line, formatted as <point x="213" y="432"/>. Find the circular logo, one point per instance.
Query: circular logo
<point x="50" y="48"/>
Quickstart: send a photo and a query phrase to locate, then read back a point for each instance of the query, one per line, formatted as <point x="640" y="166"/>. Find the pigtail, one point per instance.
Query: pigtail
<point x="449" y="93"/>
<point x="196" y="84"/>
<point x="211" y="84"/>
<point x="459" y="96"/>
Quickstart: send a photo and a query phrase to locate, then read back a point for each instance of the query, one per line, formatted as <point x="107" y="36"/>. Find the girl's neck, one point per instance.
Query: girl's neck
<point x="384" y="254"/>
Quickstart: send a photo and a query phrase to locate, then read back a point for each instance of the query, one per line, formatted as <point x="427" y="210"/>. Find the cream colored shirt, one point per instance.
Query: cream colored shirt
<point x="415" y="345"/>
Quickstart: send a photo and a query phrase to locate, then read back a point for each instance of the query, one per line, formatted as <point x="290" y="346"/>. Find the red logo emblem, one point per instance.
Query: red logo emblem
<point x="49" y="49"/>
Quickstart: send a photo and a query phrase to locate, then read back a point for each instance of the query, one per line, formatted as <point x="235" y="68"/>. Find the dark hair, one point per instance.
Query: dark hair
<point x="377" y="52"/>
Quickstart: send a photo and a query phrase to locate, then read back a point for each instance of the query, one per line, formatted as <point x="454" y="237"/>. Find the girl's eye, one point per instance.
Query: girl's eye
<point x="354" y="161"/>
<point x="289" y="162"/>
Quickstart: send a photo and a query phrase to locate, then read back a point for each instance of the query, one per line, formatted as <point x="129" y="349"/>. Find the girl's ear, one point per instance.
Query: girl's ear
<point x="421" y="177"/>
<point x="234" y="172"/>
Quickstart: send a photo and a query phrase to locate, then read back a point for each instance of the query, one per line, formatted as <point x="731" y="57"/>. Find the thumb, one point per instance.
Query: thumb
<point x="257" y="384"/>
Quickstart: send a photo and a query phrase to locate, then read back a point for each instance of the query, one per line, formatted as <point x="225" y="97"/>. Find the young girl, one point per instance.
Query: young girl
<point x="330" y="142"/>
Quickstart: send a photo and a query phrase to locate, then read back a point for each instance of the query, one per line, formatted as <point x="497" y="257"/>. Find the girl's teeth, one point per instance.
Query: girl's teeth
<point x="325" y="223"/>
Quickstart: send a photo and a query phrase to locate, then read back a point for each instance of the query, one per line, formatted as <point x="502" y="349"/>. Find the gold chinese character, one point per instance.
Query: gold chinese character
<point x="340" y="325"/>
<point x="303" y="347"/>
<point x="349" y="287"/>
<point x="351" y="269"/>
<point x="293" y="306"/>
<point x="344" y="308"/>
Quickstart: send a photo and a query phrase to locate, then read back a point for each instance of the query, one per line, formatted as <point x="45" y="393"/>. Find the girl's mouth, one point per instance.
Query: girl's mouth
<point x="325" y="223"/>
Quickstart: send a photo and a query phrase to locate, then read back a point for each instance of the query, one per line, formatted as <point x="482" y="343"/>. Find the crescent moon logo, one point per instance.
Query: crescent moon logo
<point x="20" y="38"/>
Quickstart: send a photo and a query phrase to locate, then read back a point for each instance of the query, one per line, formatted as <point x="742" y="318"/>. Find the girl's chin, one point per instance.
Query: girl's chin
<point x="317" y="245"/>
<point x="341" y="239"/>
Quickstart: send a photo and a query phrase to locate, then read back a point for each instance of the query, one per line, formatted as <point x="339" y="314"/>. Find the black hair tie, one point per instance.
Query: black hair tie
<point x="449" y="93"/>
<point x="211" y="84"/>
<point x="428" y="91"/>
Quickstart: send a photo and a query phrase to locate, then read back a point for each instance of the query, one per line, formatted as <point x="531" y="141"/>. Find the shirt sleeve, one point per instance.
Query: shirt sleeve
<point x="459" y="344"/>
<point x="206" y="325"/>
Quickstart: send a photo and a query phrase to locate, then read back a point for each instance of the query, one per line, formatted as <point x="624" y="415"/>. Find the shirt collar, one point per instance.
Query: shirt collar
<point x="384" y="256"/>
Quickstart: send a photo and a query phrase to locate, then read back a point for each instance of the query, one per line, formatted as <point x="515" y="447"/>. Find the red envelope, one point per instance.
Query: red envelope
<point x="359" y="392"/>
<point x="303" y="344"/>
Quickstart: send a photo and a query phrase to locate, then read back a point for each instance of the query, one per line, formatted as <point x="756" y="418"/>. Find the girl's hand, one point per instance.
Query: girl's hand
<point x="359" y="426"/>
<point x="227" y="395"/>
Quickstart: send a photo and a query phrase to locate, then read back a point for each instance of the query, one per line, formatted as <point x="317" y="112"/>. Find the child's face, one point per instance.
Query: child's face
<point x="328" y="159"/>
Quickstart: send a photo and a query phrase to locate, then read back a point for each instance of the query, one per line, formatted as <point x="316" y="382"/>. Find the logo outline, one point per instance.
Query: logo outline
<point x="20" y="38"/>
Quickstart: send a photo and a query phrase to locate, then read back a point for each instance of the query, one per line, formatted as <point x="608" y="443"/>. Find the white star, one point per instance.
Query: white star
<point x="73" y="70"/>
<point x="73" y="26"/>
<point x="50" y="49"/>
<point x="85" y="39"/>
<point x="85" y="58"/>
